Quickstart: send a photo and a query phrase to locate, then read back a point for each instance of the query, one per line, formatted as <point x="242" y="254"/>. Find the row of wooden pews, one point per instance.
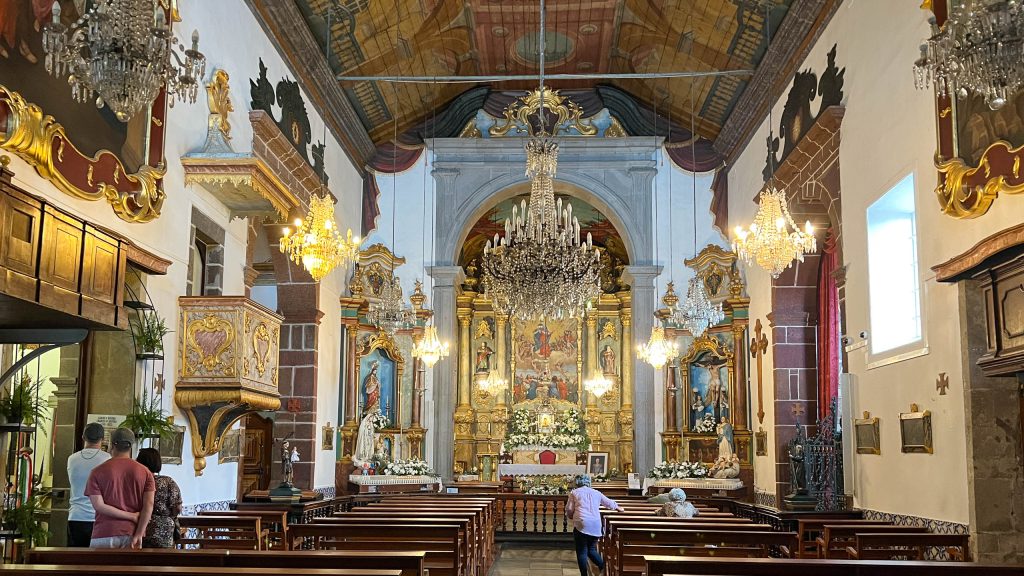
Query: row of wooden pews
<point x="877" y="540"/>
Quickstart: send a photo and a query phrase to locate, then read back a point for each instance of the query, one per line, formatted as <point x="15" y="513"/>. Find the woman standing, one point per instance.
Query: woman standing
<point x="677" y="506"/>
<point x="583" y="508"/>
<point x="166" y="503"/>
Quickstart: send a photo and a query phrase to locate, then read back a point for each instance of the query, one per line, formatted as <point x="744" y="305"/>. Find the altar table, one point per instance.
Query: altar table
<point x="541" y="469"/>
<point x="369" y="484"/>
<point x="718" y="484"/>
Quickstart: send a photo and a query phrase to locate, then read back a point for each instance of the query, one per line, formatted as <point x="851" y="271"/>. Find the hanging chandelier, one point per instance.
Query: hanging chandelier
<point x="658" y="350"/>
<point x="317" y="244"/>
<point x="540" y="267"/>
<point x="979" y="49"/>
<point x="429" y="349"/>
<point x="773" y="240"/>
<point x="598" y="385"/>
<point x="697" y="311"/>
<point x="389" y="312"/>
<point x="124" y="52"/>
<point x="492" y="384"/>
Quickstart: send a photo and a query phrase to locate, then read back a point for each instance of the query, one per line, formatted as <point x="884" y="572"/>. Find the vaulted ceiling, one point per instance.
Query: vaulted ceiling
<point x="499" y="37"/>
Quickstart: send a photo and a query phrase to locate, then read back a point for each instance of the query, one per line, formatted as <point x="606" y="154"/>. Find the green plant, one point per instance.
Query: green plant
<point x="150" y="332"/>
<point x="21" y="402"/>
<point x="25" y="520"/>
<point x="148" y="418"/>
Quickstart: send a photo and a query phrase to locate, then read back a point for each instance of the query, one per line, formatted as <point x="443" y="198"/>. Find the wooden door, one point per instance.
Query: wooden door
<point x="256" y="454"/>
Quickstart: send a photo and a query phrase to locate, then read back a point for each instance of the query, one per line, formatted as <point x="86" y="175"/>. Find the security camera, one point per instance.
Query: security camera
<point x="863" y="334"/>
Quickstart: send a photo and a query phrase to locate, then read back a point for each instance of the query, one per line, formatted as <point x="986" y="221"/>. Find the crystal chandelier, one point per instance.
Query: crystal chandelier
<point x="980" y="49"/>
<point x="658" y="350"/>
<point x="541" y="268"/>
<point x="389" y="312"/>
<point x="429" y="349"/>
<point x="697" y="312"/>
<point x="773" y="240"/>
<point x="492" y="384"/>
<point x="598" y="385"/>
<point x="317" y="244"/>
<point x="122" y="51"/>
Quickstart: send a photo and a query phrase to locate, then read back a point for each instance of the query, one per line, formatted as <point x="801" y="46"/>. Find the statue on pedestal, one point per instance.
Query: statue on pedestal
<point x="726" y="442"/>
<point x="726" y="467"/>
<point x="799" y="498"/>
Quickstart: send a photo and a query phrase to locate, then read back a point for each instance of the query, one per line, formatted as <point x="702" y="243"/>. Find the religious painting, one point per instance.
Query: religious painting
<point x="609" y="353"/>
<point x="916" y="430"/>
<point x="171" y="445"/>
<point x="546" y="356"/>
<point x="379" y="374"/>
<point x="702" y="450"/>
<point x="597" y="463"/>
<point x="761" y="442"/>
<point x="230" y="446"/>
<point x="866" y="435"/>
<point x="488" y="466"/>
<point x="327" y="437"/>
<point x="707" y="371"/>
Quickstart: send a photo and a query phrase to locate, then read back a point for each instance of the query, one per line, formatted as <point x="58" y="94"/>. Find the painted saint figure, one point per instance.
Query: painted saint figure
<point x="608" y="360"/>
<point x="542" y="341"/>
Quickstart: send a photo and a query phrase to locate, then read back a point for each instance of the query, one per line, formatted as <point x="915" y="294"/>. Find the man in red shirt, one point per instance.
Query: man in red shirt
<point x="121" y="491"/>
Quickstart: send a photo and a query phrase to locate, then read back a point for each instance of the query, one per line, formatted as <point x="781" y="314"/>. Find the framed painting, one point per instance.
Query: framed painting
<point x="488" y="466"/>
<point x="171" y="446"/>
<point x="916" y="430"/>
<point x="84" y="150"/>
<point x="380" y="370"/>
<point x="702" y="450"/>
<point x="708" y="376"/>
<point x="597" y="463"/>
<point x="866" y="435"/>
<point x="230" y="446"/>
<point x="761" y="442"/>
<point x="546" y="360"/>
<point x="327" y="437"/>
<point x="980" y="150"/>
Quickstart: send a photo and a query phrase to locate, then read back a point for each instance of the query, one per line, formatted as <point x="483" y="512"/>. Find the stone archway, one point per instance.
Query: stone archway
<point x="615" y="175"/>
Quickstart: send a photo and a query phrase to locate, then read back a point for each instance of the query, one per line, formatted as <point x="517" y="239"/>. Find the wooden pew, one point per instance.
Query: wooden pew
<point x="635" y="543"/>
<point x="441" y="542"/>
<point x="64" y="570"/>
<point x="811" y="529"/>
<point x="610" y="544"/>
<point x="483" y="523"/>
<point x="479" y="537"/>
<point x="409" y="563"/>
<point x="275" y="522"/>
<point x="836" y="538"/>
<point x="223" y="532"/>
<point x="908" y="546"/>
<point x="665" y="565"/>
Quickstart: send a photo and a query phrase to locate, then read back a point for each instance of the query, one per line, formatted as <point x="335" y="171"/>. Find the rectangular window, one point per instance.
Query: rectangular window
<point x="894" y="286"/>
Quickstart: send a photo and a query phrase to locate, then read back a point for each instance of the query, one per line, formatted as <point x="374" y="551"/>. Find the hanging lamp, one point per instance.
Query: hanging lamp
<point x="429" y="348"/>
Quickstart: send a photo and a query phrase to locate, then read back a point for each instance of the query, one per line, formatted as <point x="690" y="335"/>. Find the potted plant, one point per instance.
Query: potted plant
<point x="148" y="419"/>
<point x="24" y="519"/>
<point x="21" y="402"/>
<point x="149" y="336"/>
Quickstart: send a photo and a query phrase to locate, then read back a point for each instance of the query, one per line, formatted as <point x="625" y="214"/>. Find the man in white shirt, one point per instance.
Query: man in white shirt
<point x="80" y="464"/>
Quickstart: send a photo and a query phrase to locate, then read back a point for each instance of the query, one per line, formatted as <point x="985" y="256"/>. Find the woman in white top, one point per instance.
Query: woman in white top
<point x="584" y="509"/>
<point x="677" y="506"/>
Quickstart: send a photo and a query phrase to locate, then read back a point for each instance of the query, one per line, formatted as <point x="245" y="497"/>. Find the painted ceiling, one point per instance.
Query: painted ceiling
<point x="491" y="37"/>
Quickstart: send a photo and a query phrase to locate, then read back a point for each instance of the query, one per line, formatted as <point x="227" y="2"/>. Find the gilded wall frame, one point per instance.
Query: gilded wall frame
<point x="866" y="435"/>
<point x="968" y="183"/>
<point x="707" y="346"/>
<point x="389" y="348"/>
<point x="916" y="431"/>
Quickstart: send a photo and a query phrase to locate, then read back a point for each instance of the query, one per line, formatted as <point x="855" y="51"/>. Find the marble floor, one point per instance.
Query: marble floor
<point x="533" y="560"/>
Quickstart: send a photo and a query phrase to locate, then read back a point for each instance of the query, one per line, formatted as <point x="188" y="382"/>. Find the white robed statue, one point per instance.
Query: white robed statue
<point x="726" y="443"/>
<point x="365" y="437"/>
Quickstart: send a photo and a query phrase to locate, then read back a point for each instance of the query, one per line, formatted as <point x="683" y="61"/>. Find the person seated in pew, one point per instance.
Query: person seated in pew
<point x="584" y="509"/>
<point x="677" y="506"/>
<point x="162" y="530"/>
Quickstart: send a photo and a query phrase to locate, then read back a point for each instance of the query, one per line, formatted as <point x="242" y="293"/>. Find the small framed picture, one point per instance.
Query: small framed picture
<point x="327" y="440"/>
<point x="916" y="430"/>
<point x="866" y="435"/>
<point x="170" y="446"/>
<point x="761" y="442"/>
<point x="230" y="446"/>
<point x="597" y="463"/>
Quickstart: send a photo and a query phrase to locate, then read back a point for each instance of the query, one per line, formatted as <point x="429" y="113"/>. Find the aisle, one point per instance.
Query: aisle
<point x="534" y="560"/>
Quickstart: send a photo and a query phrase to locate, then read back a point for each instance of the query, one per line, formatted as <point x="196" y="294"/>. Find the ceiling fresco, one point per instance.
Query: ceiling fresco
<point x="490" y="37"/>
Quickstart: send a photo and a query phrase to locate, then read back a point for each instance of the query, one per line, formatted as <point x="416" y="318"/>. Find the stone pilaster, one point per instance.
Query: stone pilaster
<point x="501" y="343"/>
<point x="446" y="282"/>
<point x="644" y="301"/>
<point x="592" y="355"/>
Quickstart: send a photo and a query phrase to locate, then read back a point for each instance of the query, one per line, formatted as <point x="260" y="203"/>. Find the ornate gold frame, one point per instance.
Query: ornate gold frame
<point x="925" y="417"/>
<point x="381" y="341"/>
<point x="37" y="138"/>
<point x="565" y="110"/>
<point x="966" y="191"/>
<point x="868" y="422"/>
<point x="707" y="343"/>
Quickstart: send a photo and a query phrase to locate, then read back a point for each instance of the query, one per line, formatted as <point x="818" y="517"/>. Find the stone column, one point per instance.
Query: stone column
<point x="592" y="354"/>
<point x="741" y="390"/>
<point x="465" y="362"/>
<point x="501" y="343"/>
<point x="446" y="280"/>
<point x="644" y="302"/>
<point x="671" y="386"/>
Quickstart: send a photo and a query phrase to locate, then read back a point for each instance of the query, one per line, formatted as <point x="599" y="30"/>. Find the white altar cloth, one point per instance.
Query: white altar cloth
<point x="541" y="469"/>
<point x="382" y="480"/>
<point x="695" y="483"/>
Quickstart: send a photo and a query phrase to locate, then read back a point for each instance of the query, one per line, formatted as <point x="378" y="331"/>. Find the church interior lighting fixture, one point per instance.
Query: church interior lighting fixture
<point x="317" y="243"/>
<point x="124" y="52"/>
<point x="598" y="385"/>
<point x="493" y="384"/>
<point x="658" y="350"/>
<point x="979" y="49"/>
<point x="389" y="312"/>
<point x="429" y="349"/>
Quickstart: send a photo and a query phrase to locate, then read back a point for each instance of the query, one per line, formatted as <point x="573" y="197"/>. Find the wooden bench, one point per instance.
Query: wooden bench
<point x="836" y="538"/>
<point x="409" y="563"/>
<point x="811" y="529"/>
<point x="222" y="532"/>
<point x="483" y="510"/>
<point x="65" y="570"/>
<point x="884" y="546"/>
<point x="441" y="542"/>
<point x="635" y="543"/>
<point x="610" y="544"/>
<point x="479" y="541"/>
<point x="275" y="522"/>
<point x="666" y="565"/>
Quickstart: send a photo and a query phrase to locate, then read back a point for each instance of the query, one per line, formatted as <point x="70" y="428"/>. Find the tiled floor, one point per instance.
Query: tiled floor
<point x="522" y="560"/>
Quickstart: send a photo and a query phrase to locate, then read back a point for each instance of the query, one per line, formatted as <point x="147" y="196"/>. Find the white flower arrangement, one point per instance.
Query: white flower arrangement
<point x="545" y="485"/>
<point x="678" y="470"/>
<point x="705" y="425"/>
<point x="379" y="421"/>
<point x="408" y="468"/>
<point x="569" y="432"/>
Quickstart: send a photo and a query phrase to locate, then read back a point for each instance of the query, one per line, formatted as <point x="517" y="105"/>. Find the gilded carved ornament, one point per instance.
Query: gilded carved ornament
<point x="218" y="97"/>
<point x="517" y="115"/>
<point x="209" y="338"/>
<point x="40" y="140"/>
<point x="961" y="198"/>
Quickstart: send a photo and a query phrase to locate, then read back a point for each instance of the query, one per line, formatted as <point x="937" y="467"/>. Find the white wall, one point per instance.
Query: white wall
<point x="888" y="131"/>
<point x="236" y="51"/>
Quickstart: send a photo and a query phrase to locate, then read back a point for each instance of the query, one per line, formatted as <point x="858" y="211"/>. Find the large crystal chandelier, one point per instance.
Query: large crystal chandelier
<point x="492" y="384"/>
<point x="658" y="350"/>
<point x="541" y="268"/>
<point x="697" y="313"/>
<point x="773" y="240"/>
<point x="980" y="49"/>
<point x="317" y="244"/>
<point x="429" y="349"/>
<point x="124" y="52"/>
<point x="389" y="312"/>
<point x="598" y="385"/>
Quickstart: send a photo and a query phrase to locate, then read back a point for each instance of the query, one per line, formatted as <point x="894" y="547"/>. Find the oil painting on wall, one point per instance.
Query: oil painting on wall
<point x="709" y="388"/>
<point x="546" y="354"/>
<point x="377" y="377"/>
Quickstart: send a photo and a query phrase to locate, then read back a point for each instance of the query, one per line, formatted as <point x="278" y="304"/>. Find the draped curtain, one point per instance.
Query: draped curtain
<point x="828" y="326"/>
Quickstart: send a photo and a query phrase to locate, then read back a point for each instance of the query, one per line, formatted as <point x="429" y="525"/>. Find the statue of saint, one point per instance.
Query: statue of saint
<point x="483" y="358"/>
<point x="608" y="360"/>
<point x="726" y="444"/>
<point x="287" y="471"/>
<point x="797" y="468"/>
<point x="371" y="386"/>
<point x="365" y="445"/>
<point x="727" y="467"/>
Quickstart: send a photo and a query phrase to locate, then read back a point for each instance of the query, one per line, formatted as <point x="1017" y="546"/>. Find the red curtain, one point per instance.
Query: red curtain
<point x="828" y="326"/>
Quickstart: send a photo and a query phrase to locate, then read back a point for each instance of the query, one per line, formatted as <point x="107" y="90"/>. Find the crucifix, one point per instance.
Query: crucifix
<point x="758" y="346"/>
